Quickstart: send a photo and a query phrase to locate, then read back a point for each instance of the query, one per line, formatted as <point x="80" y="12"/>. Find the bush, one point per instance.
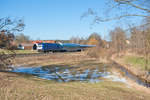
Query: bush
<point x="6" y="60"/>
<point x="94" y="52"/>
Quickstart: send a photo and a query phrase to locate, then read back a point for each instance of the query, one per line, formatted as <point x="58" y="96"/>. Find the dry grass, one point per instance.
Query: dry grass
<point x="18" y="51"/>
<point x="26" y="87"/>
<point x="56" y="58"/>
<point x="134" y="65"/>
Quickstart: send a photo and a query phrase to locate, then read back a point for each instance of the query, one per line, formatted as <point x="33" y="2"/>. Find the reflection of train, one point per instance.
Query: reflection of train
<point x="54" y="47"/>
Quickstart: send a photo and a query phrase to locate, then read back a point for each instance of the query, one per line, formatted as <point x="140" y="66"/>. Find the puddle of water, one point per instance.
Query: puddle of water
<point x="60" y="74"/>
<point x="116" y="78"/>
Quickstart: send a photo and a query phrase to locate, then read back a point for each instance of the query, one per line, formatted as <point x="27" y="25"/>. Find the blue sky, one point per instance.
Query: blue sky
<point x="56" y="19"/>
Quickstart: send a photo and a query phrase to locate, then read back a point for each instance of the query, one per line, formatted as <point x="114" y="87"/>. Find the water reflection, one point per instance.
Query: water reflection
<point x="66" y="74"/>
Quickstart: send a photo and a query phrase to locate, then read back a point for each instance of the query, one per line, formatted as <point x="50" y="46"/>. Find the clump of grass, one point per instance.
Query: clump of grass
<point x="94" y="52"/>
<point x="137" y="61"/>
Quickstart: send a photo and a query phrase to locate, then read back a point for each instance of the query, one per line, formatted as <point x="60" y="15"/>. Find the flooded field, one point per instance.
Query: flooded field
<point x="75" y="77"/>
<point x="65" y="73"/>
<point x="79" y="67"/>
<point x="70" y="74"/>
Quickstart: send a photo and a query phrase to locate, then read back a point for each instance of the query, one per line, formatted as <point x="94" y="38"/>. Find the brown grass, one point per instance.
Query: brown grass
<point x="56" y="58"/>
<point x="26" y="87"/>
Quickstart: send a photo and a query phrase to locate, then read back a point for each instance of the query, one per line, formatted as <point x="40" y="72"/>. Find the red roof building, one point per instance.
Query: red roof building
<point x="43" y="41"/>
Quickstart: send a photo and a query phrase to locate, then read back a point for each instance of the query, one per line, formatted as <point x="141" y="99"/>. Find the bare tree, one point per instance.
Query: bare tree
<point x="7" y="28"/>
<point x="137" y="40"/>
<point x="118" y="38"/>
<point x="95" y="39"/>
<point x="147" y="47"/>
<point x="98" y="51"/>
<point x="75" y="39"/>
<point x="21" y="38"/>
<point x="140" y="43"/>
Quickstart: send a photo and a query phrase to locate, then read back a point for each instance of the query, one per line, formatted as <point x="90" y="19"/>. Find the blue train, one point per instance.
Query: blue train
<point x="61" y="47"/>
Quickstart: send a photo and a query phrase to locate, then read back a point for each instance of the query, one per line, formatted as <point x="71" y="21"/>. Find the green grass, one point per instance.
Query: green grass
<point x="136" y="61"/>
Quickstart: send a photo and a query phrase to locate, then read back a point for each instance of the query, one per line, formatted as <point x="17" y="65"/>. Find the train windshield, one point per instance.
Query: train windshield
<point x="39" y="46"/>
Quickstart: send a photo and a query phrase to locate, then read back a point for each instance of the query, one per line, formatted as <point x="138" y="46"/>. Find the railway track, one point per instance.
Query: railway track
<point x="29" y="54"/>
<point x="39" y="54"/>
<point x="32" y="54"/>
<point x="35" y="54"/>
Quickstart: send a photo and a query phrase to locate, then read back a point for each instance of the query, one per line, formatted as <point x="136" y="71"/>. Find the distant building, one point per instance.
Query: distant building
<point x="32" y="45"/>
<point x="26" y="46"/>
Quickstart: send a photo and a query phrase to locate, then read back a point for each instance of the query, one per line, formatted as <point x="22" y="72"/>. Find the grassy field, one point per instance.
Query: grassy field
<point x="55" y="58"/>
<point x="19" y="51"/>
<point x="134" y="64"/>
<point x="138" y="62"/>
<point x="26" y="87"/>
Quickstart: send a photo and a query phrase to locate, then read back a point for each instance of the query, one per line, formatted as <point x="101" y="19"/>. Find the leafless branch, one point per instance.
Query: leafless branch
<point x="129" y="2"/>
<point x="119" y="3"/>
<point x="99" y="19"/>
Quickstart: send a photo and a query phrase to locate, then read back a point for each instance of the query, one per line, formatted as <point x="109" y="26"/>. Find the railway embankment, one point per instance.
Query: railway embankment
<point x="42" y="59"/>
